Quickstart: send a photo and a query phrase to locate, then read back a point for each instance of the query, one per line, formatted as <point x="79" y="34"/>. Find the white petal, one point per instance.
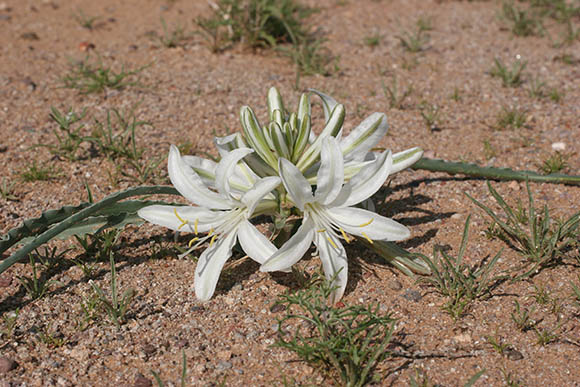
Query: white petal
<point x="365" y="183"/>
<point x="258" y="191"/>
<point x="190" y="185"/>
<point x="328" y="103"/>
<point x="227" y="144"/>
<point x="293" y="250"/>
<point x="331" y="172"/>
<point x="254" y="243"/>
<point x="203" y="167"/>
<point x="334" y="262"/>
<point x="365" y="223"/>
<point x="365" y="136"/>
<point x="296" y="185"/>
<point x="210" y="264"/>
<point x="166" y="216"/>
<point x="406" y="158"/>
<point x="226" y="167"/>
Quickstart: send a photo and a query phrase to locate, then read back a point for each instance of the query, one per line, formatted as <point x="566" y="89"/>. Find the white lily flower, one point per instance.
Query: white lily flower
<point x="224" y="215"/>
<point x="329" y="214"/>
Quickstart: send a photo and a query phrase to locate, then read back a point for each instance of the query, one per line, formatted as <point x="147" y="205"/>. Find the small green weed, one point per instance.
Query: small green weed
<point x="537" y="88"/>
<point x="40" y="172"/>
<point x="540" y="239"/>
<point x="373" y="40"/>
<point x="546" y="336"/>
<point x="575" y="295"/>
<point x="183" y="373"/>
<point x="523" y="22"/>
<point x="172" y="38"/>
<point x="541" y="295"/>
<point x="116" y="308"/>
<point x="7" y="190"/>
<point x="68" y="134"/>
<point x="414" y="41"/>
<point x="37" y="285"/>
<point x="556" y="95"/>
<point x="461" y="283"/>
<point x="456" y="96"/>
<point x="349" y="342"/>
<point x="521" y="317"/>
<point x="510" y="77"/>
<point x="488" y="150"/>
<point x="9" y="320"/>
<point x="51" y="339"/>
<point x="90" y="309"/>
<point x="421" y="379"/>
<point x="431" y="116"/>
<point x="311" y="57"/>
<point x="89" y="77"/>
<point x="396" y="96"/>
<point x="256" y="23"/>
<point x="497" y="343"/>
<point x="555" y="163"/>
<point x="509" y="379"/>
<point x="511" y="118"/>
<point x="84" y="20"/>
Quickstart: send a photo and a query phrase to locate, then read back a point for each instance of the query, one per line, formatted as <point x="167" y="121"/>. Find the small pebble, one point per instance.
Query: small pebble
<point x="223" y="365"/>
<point x="395" y="285"/>
<point x="412" y="295"/>
<point x="6" y="364"/>
<point x="149" y="349"/>
<point x="5" y="280"/>
<point x="142" y="381"/>
<point x="559" y="146"/>
<point x="277" y="308"/>
<point x="513" y="354"/>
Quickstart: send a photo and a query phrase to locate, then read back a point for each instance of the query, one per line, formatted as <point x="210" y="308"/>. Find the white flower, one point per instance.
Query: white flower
<point x="223" y="214"/>
<point x="329" y="215"/>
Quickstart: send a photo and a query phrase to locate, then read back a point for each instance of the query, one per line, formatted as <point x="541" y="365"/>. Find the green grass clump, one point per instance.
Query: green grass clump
<point x="555" y="163"/>
<point x="347" y="342"/>
<point x="39" y="172"/>
<point x="395" y="94"/>
<point x="511" y="118"/>
<point x="459" y="282"/>
<point x="510" y="77"/>
<point x="533" y="233"/>
<point x="523" y="22"/>
<point x="88" y="77"/>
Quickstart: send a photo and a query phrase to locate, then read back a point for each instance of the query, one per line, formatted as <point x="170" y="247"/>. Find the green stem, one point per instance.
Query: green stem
<point x="436" y="165"/>
<point x="79" y="216"/>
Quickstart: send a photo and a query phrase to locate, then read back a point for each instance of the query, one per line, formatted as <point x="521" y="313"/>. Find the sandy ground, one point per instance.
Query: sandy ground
<point x="188" y="93"/>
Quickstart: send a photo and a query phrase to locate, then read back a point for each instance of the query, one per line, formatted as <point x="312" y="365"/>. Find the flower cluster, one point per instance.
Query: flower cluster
<point x="278" y="170"/>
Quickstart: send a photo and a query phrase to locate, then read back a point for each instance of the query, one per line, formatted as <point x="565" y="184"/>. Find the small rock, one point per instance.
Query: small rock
<point x="86" y="46"/>
<point x="223" y="365"/>
<point x="514" y="185"/>
<point x="182" y="343"/>
<point x="6" y="364"/>
<point x="559" y="146"/>
<point x="456" y="216"/>
<point x="463" y="338"/>
<point x="29" y="36"/>
<point x="4" y="7"/>
<point x="142" y="381"/>
<point x="277" y="308"/>
<point x="149" y="349"/>
<point x="412" y="295"/>
<point x="395" y="285"/>
<point x="5" y="280"/>
<point x="224" y="355"/>
<point x="5" y="17"/>
<point x="513" y="354"/>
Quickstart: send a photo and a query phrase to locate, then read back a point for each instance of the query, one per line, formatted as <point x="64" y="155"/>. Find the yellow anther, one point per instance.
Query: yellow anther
<point x="321" y="230"/>
<point x="183" y="221"/>
<point x="212" y="240"/>
<point x="192" y="241"/>
<point x="195" y="226"/>
<point x="367" y="238"/>
<point x="331" y="242"/>
<point x="210" y="232"/>
<point x="346" y="238"/>
<point x="367" y="223"/>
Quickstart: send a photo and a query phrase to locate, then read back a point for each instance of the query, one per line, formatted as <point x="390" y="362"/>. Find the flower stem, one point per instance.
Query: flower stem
<point x="468" y="169"/>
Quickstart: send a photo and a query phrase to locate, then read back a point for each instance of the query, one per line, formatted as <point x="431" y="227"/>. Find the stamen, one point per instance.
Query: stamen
<point x="367" y="223"/>
<point x="195" y="225"/>
<point x="321" y="230"/>
<point x="367" y="237"/>
<point x="183" y="221"/>
<point x="331" y="242"/>
<point x="346" y="238"/>
<point x="192" y="241"/>
<point x="210" y="232"/>
<point x="212" y="239"/>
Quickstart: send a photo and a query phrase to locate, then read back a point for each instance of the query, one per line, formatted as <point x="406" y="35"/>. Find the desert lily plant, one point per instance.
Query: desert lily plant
<point x="245" y="183"/>
<point x="315" y="185"/>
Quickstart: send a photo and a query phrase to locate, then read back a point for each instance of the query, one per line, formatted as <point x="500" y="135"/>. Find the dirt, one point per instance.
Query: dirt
<point x="188" y="93"/>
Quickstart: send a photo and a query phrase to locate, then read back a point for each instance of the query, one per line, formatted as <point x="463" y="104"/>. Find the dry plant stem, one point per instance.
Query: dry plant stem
<point x="472" y="170"/>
